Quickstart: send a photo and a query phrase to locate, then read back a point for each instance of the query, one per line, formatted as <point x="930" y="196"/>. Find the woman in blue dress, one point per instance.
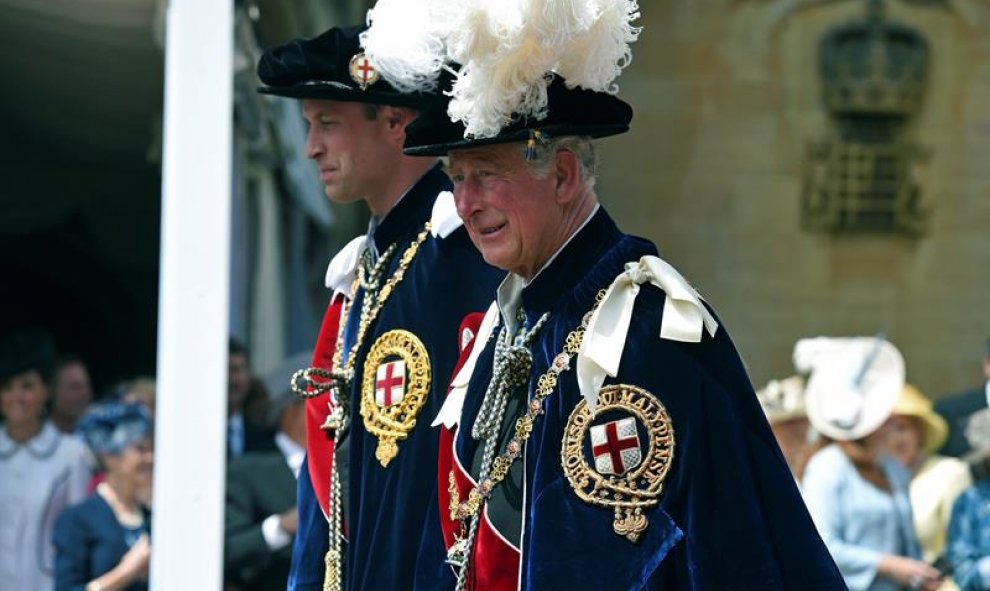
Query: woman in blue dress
<point x="856" y="493"/>
<point x="102" y="544"/>
<point x="969" y="527"/>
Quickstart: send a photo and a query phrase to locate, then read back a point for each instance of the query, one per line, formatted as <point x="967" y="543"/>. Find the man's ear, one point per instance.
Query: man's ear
<point x="396" y="119"/>
<point x="567" y="173"/>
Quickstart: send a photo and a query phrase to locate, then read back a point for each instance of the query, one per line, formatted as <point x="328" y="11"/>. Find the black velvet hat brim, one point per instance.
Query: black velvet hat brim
<point x="521" y="135"/>
<point x="320" y="68"/>
<point x="343" y="93"/>
<point x="570" y="112"/>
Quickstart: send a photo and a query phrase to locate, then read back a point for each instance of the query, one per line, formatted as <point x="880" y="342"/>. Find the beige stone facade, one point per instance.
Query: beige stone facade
<point x="728" y="96"/>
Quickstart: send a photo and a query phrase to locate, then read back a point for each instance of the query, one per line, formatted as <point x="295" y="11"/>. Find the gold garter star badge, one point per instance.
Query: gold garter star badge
<point x="363" y="71"/>
<point x="622" y="475"/>
<point x="396" y="382"/>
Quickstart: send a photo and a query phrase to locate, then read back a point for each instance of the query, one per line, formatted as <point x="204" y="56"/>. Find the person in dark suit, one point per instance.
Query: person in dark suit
<point x="958" y="408"/>
<point x="103" y="542"/>
<point x="260" y="511"/>
<point x="243" y="434"/>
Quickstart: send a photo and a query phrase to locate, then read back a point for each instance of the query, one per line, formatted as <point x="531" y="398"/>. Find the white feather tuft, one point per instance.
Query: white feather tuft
<point x="507" y="50"/>
<point x="405" y="43"/>
<point x="607" y="39"/>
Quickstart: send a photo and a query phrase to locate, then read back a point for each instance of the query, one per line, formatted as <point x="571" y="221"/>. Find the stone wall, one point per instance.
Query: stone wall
<point x="727" y="96"/>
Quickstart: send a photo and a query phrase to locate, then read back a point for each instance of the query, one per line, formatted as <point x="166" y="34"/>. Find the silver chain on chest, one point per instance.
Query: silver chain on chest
<point x="511" y="369"/>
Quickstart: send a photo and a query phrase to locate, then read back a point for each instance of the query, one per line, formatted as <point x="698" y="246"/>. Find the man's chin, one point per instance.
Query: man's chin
<point x="336" y="195"/>
<point x="493" y="257"/>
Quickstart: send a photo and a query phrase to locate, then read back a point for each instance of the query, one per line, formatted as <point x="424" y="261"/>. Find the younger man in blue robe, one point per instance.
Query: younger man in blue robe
<point x="391" y="335"/>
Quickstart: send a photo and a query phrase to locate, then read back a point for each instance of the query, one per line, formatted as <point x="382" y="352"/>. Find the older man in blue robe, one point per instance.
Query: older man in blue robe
<point x="602" y="432"/>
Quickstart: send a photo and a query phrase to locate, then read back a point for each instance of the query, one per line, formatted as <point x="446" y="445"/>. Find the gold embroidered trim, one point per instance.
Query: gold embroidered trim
<point x="340" y="376"/>
<point x="638" y="489"/>
<point x="338" y="380"/>
<point x="393" y="423"/>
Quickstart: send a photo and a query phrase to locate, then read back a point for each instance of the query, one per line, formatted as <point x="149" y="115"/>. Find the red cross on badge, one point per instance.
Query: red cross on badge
<point x="615" y="446"/>
<point x="363" y="71"/>
<point x="390" y="383"/>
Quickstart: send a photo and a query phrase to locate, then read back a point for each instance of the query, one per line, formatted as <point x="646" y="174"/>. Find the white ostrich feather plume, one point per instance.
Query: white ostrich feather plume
<point x="607" y="38"/>
<point x="507" y="50"/>
<point x="406" y="41"/>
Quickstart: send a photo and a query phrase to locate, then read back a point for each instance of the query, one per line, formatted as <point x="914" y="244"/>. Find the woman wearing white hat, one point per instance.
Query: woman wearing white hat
<point x="915" y="431"/>
<point x="857" y="495"/>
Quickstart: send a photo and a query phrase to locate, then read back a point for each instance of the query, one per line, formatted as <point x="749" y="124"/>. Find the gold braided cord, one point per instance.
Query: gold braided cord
<point x="302" y="382"/>
<point x="370" y="313"/>
<point x="463" y="510"/>
<point x="345" y="310"/>
<point x="339" y="377"/>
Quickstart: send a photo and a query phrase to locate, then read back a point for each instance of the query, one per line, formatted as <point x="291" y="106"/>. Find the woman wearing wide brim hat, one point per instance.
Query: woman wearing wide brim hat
<point x="856" y="493"/>
<point x="915" y="432"/>
<point x="783" y="403"/>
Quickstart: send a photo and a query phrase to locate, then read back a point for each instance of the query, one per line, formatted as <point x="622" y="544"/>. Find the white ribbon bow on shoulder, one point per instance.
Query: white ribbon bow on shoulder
<point x="343" y="268"/>
<point x="684" y="318"/>
<point x="444" y="219"/>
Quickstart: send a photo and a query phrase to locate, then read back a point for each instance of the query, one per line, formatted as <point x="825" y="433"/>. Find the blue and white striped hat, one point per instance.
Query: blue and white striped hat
<point x="112" y="427"/>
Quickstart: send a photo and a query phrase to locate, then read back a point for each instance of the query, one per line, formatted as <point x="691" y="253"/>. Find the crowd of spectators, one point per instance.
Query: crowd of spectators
<point x="899" y="492"/>
<point x="76" y="466"/>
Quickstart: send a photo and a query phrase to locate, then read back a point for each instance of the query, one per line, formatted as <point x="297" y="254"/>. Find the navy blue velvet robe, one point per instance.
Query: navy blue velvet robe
<point x="386" y="509"/>
<point x="730" y="515"/>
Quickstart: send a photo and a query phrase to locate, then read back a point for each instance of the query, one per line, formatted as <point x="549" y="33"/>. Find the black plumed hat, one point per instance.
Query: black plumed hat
<point x="570" y="112"/>
<point x="331" y="66"/>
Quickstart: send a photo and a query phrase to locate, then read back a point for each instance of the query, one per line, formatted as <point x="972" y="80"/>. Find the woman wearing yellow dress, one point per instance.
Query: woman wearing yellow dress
<point x="915" y="431"/>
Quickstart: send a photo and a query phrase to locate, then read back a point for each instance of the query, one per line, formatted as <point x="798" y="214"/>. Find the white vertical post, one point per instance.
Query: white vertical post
<point x="187" y="527"/>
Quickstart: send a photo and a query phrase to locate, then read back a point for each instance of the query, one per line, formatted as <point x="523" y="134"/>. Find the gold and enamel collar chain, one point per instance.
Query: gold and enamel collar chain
<point x="338" y="381"/>
<point x="339" y="377"/>
<point x="466" y="512"/>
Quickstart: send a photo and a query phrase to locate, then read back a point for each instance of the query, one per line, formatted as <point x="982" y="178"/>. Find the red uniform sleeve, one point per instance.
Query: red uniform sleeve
<point x="319" y="443"/>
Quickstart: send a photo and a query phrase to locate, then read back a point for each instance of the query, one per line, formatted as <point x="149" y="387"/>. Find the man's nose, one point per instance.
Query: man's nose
<point x="467" y="198"/>
<point x="313" y="146"/>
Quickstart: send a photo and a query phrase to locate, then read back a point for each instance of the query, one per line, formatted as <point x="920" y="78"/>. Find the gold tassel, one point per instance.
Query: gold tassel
<point x="535" y="137"/>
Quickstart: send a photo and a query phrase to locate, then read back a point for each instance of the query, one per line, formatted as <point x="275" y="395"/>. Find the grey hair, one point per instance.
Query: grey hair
<point x="581" y="146"/>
